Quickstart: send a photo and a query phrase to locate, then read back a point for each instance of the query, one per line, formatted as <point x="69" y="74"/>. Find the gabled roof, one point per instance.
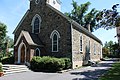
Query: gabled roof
<point x="21" y="21"/>
<point x="67" y="18"/>
<point x="32" y="39"/>
<point x="85" y="31"/>
<point x="76" y="24"/>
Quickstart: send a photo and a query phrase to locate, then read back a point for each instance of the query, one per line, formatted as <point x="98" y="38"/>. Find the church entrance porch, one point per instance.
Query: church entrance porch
<point x="22" y="54"/>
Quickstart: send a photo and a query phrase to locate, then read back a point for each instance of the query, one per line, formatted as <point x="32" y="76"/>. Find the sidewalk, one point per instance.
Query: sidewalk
<point x="85" y="73"/>
<point x="93" y="72"/>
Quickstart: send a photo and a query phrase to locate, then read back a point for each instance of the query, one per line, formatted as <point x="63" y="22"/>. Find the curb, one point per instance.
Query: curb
<point x="64" y="71"/>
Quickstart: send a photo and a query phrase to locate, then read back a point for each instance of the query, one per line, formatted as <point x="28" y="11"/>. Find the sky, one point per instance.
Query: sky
<point x="11" y="12"/>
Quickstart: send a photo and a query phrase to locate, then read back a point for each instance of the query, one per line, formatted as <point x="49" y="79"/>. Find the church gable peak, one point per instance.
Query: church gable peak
<point x="54" y="3"/>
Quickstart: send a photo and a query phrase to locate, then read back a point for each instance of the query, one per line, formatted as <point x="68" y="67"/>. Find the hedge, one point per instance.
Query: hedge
<point x="68" y="63"/>
<point x="1" y="69"/>
<point x="8" y="60"/>
<point x="49" y="64"/>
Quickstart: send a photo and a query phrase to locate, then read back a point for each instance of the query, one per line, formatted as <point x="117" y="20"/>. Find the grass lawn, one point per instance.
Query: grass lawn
<point x="113" y="73"/>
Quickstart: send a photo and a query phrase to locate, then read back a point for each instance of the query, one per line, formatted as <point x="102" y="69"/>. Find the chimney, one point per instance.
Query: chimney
<point x="88" y="26"/>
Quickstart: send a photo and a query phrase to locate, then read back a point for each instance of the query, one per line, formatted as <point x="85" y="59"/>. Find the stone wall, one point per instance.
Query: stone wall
<point x="51" y="20"/>
<point x="81" y="58"/>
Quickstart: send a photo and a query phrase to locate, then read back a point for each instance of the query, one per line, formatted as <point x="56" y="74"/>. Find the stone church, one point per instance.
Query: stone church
<point x="45" y="31"/>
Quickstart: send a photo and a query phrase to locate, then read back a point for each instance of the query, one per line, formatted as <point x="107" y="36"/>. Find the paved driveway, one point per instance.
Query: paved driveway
<point x="85" y="73"/>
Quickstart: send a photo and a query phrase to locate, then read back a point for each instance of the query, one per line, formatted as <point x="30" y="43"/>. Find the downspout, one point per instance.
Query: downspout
<point x="71" y="22"/>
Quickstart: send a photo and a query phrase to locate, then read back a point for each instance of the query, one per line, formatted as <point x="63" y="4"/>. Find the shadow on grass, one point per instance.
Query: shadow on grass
<point x="113" y="73"/>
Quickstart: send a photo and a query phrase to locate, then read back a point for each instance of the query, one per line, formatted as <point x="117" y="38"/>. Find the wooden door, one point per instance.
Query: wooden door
<point x="22" y="55"/>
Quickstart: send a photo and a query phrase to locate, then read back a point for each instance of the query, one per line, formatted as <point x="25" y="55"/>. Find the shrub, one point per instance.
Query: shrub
<point x="34" y="64"/>
<point x="8" y="60"/>
<point x="68" y="63"/>
<point x="47" y="64"/>
<point x="1" y="69"/>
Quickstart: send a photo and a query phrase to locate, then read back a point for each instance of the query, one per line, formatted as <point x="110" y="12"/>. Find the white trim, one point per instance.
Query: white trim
<point x="38" y="50"/>
<point x="27" y="35"/>
<point x="37" y="2"/>
<point x="54" y="32"/>
<point x="58" y="36"/>
<point x="32" y="23"/>
<point x="19" y="52"/>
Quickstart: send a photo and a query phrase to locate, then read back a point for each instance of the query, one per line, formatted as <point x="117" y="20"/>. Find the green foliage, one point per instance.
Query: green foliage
<point x="105" y="52"/>
<point x="49" y="64"/>
<point x="90" y="18"/>
<point x="111" y="49"/>
<point x="1" y="69"/>
<point x="35" y="64"/>
<point x="68" y="63"/>
<point x="80" y="15"/>
<point x="8" y="60"/>
<point x="3" y="32"/>
<point x="10" y="42"/>
<point x="109" y="18"/>
<point x="113" y="73"/>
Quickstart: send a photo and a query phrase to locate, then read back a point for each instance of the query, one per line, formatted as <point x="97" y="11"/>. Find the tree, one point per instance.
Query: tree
<point x="9" y="41"/>
<point x="110" y="43"/>
<point x="108" y="18"/>
<point x="3" y="32"/>
<point x="111" y="49"/>
<point x="80" y="15"/>
<point x="116" y="49"/>
<point x="105" y="51"/>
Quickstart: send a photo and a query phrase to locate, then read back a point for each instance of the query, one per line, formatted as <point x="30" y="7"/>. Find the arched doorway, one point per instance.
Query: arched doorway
<point x="22" y="59"/>
<point x="22" y="53"/>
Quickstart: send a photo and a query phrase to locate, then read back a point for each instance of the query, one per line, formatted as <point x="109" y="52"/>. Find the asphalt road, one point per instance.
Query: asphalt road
<point x="85" y="73"/>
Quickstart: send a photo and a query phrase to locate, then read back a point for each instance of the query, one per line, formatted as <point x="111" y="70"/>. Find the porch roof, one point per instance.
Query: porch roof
<point x="32" y="39"/>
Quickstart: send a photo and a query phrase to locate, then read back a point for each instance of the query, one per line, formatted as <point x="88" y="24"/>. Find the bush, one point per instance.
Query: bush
<point x="68" y="63"/>
<point x="8" y="60"/>
<point x="34" y="64"/>
<point x="1" y="69"/>
<point x="48" y="64"/>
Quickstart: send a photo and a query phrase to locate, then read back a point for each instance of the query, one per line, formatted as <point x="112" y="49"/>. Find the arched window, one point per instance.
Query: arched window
<point x="89" y="46"/>
<point x="37" y="52"/>
<point x="94" y="48"/>
<point x="55" y="36"/>
<point x="55" y="42"/>
<point x="36" y="23"/>
<point x="81" y="43"/>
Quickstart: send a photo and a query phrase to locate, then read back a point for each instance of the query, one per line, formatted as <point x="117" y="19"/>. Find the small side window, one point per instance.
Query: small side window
<point x="37" y="52"/>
